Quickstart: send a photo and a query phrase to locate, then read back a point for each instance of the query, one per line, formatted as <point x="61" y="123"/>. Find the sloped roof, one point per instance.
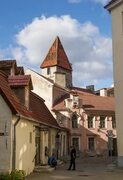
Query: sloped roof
<point x="11" y="98"/>
<point x="41" y="112"/>
<point x="38" y="111"/>
<point x="112" y="4"/>
<point x="56" y="56"/>
<point x="7" y="63"/>
<point x="90" y="102"/>
<point x="21" y="80"/>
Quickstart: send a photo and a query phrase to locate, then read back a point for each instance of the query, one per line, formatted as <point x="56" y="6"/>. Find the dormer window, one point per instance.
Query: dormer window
<point x="48" y="70"/>
<point x="74" y="121"/>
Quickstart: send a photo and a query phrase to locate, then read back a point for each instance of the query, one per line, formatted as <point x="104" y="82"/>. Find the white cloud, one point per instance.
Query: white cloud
<point x="87" y="49"/>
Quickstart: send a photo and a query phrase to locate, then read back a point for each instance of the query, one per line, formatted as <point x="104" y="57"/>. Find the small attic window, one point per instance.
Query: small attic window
<point x="48" y="70"/>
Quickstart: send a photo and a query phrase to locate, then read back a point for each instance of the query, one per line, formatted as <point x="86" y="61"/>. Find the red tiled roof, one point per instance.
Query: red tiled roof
<point x="21" y="80"/>
<point x="90" y="102"/>
<point x="11" y="98"/>
<point x="40" y="111"/>
<point x="56" y="56"/>
<point x="7" y="63"/>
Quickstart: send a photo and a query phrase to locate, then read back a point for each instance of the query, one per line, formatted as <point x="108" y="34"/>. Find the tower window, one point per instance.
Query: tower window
<point x="48" y="70"/>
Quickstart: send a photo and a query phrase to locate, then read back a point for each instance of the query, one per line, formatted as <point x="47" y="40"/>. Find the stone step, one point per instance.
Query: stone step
<point x="45" y="169"/>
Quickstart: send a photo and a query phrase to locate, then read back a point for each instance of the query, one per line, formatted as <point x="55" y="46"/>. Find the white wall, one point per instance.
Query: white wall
<point x="6" y="140"/>
<point x="117" y="36"/>
<point x="42" y="87"/>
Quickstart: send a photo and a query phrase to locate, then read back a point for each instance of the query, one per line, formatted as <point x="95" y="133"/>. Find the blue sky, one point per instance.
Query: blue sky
<point x="29" y="27"/>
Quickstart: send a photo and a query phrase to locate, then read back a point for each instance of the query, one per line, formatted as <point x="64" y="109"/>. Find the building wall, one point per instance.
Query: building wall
<point x="117" y="36"/>
<point x="83" y="132"/>
<point x="25" y="146"/>
<point x="6" y="139"/>
<point x="61" y="80"/>
<point x="44" y="147"/>
<point x="42" y="87"/>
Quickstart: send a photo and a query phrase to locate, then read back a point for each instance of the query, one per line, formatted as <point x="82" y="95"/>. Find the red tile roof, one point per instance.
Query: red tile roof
<point x="11" y="98"/>
<point x="7" y="63"/>
<point x="21" y="80"/>
<point x="56" y="56"/>
<point x="41" y="112"/>
<point x="90" y="102"/>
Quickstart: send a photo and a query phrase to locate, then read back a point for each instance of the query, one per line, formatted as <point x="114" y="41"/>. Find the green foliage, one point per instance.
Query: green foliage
<point x="14" y="175"/>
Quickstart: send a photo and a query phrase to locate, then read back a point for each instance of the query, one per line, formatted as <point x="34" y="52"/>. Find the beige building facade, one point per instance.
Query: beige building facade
<point x="116" y="9"/>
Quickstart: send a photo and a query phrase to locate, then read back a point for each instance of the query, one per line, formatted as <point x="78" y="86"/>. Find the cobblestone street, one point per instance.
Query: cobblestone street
<point x="92" y="168"/>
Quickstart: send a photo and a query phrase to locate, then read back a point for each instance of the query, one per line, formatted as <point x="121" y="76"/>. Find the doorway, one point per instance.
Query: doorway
<point x="37" y="144"/>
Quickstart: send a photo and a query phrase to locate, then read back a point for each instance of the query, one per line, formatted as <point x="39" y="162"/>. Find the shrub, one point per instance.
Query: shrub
<point x="14" y="175"/>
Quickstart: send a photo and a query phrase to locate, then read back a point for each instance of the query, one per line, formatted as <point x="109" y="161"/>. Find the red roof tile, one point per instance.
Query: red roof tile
<point x="41" y="112"/>
<point x="21" y="80"/>
<point x="57" y="56"/>
<point x="90" y="102"/>
<point x="7" y="63"/>
<point x="11" y="98"/>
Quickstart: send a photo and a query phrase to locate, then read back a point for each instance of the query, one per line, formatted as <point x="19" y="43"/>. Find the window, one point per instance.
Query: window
<point x="91" y="144"/>
<point x="90" y="122"/>
<point x="102" y="122"/>
<point x="74" y="121"/>
<point x="48" y="70"/>
<point x="113" y="123"/>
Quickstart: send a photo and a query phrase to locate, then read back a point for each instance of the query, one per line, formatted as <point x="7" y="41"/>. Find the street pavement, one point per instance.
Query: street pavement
<point x="91" y="168"/>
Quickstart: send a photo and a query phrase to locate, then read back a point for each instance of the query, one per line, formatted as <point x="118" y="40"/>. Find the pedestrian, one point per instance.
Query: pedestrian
<point x="52" y="161"/>
<point x="72" y="158"/>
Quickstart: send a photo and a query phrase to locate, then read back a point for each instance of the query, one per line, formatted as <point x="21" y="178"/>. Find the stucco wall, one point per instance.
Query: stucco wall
<point x="6" y="139"/>
<point x="25" y="146"/>
<point x="42" y="87"/>
<point x="117" y="36"/>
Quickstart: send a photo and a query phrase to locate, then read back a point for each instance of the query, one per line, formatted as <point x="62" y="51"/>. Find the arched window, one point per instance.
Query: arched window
<point x="74" y="121"/>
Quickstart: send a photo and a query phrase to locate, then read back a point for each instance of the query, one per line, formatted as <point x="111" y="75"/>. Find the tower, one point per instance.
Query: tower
<point x="56" y="65"/>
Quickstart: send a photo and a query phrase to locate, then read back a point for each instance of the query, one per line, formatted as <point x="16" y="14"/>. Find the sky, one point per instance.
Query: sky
<point x="29" y="27"/>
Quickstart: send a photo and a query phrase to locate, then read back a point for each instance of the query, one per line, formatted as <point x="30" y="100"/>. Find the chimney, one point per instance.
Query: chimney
<point x="103" y="92"/>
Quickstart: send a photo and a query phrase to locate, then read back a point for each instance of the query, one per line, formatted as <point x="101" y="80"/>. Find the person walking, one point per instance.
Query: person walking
<point x="72" y="158"/>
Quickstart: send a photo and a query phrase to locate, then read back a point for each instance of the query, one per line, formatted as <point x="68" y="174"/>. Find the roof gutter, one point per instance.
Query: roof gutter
<point x="36" y="121"/>
<point x="14" y="144"/>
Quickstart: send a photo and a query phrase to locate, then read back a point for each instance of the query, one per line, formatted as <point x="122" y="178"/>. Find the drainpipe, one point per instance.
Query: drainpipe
<point x="14" y="143"/>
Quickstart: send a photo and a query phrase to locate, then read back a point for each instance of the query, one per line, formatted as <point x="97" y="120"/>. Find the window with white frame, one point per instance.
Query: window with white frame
<point x="74" y="121"/>
<point x="102" y="122"/>
<point x="90" y="122"/>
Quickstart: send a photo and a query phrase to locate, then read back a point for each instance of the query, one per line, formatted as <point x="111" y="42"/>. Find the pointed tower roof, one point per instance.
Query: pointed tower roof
<point x="56" y="56"/>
